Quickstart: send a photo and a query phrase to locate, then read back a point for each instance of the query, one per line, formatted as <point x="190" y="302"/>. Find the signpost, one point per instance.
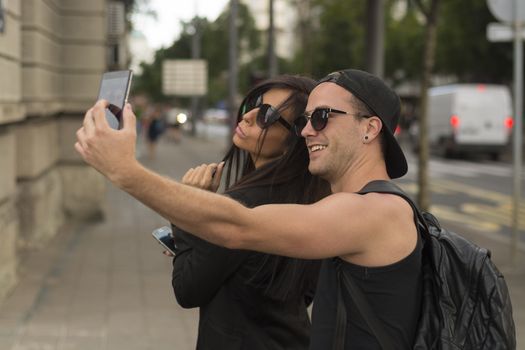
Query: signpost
<point x="507" y="11"/>
<point x="185" y="78"/>
<point x="512" y="13"/>
<point x="498" y="32"/>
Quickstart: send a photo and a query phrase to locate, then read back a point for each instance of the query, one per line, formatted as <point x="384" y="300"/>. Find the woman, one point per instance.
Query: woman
<point x="252" y="300"/>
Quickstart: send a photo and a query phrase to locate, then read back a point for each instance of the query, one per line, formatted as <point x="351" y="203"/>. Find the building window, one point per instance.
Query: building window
<point x="116" y="33"/>
<point x="116" y="19"/>
<point x="113" y="55"/>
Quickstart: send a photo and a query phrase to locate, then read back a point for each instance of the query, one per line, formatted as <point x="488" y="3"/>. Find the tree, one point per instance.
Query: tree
<point x="214" y="40"/>
<point x="429" y="9"/>
<point x="463" y="50"/>
<point x="306" y="25"/>
<point x="403" y="44"/>
<point x="332" y="36"/>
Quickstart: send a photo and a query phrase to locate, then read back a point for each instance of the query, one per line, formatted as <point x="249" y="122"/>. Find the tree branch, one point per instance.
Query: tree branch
<point x="421" y="6"/>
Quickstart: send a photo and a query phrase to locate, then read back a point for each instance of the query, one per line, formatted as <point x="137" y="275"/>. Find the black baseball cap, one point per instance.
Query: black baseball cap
<point x="384" y="103"/>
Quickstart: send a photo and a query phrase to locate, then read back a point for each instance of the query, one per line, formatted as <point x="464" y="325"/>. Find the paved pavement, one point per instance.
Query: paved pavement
<point x="106" y="285"/>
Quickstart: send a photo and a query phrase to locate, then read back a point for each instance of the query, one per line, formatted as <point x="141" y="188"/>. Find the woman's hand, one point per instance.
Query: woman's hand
<point x="168" y="253"/>
<point x="205" y="176"/>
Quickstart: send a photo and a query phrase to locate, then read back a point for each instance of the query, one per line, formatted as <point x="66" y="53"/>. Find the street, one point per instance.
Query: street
<point x="474" y="193"/>
<point x="106" y="285"/>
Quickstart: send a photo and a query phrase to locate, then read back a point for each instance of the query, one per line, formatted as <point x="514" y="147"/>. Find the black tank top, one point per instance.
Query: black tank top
<point x="393" y="293"/>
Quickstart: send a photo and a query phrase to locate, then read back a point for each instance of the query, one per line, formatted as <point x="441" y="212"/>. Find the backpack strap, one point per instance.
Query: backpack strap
<point x="340" y="318"/>
<point x="364" y="308"/>
<point x="377" y="186"/>
<point x="383" y="186"/>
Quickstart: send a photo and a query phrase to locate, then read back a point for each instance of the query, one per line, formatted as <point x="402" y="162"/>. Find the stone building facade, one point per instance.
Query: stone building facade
<point x="52" y="55"/>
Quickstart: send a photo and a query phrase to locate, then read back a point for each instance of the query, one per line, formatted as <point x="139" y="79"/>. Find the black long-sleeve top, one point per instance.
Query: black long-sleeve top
<point x="231" y="288"/>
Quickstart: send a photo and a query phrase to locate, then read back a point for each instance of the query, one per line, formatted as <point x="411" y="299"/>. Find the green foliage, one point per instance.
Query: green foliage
<point x="214" y="49"/>
<point x="338" y="41"/>
<point x="332" y="37"/>
<point x="463" y="49"/>
<point x="150" y="81"/>
<point x="403" y="46"/>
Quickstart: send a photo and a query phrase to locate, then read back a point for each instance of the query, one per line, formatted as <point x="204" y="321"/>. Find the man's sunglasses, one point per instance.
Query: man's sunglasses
<point x="318" y="118"/>
<point x="267" y="114"/>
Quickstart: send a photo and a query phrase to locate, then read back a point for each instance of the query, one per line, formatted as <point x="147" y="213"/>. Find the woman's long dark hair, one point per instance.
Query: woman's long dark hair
<point x="280" y="277"/>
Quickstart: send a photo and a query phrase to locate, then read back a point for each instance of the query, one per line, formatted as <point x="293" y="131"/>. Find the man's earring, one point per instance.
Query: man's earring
<point x="366" y="138"/>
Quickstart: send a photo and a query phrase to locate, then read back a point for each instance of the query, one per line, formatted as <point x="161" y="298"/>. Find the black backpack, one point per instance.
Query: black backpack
<point x="465" y="304"/>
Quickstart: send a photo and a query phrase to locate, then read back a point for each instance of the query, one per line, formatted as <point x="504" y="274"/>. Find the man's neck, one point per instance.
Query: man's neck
<point x="356" y="178"/>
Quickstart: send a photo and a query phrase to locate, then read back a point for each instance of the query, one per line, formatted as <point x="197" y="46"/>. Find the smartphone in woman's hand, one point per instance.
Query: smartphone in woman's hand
<point x="165" y="238"/>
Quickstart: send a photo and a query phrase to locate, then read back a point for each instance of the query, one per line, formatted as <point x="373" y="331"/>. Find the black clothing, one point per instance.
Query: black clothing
<point x="232" y="289"/>
<point x="393" y="292"/>
<point x="466" y="302"/>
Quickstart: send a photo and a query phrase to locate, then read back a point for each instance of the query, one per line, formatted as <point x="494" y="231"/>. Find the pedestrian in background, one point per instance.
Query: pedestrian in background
<point x="251" y="300"/>
<point x="154" y="126"/>
<point x="349" y="123"/>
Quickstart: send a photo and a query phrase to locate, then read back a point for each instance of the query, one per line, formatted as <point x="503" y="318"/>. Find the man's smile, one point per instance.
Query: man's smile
<point x="316" y="147"/>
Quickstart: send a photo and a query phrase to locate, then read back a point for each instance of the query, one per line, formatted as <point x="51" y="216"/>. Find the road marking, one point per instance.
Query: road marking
<point x="439" y="168"/>
<point x="452" y="214"/>
<point x="490" y="216"/>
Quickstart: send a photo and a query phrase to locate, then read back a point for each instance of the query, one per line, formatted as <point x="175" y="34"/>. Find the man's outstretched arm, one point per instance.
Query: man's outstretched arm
<point x="112" y="153"/>
<point x="337" y="225"/>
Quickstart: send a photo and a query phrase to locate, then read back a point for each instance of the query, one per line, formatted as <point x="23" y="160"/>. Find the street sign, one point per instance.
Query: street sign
<point x="504" y="10"/>
<point x="497" y="32"/>
<point x="185" y="77"/>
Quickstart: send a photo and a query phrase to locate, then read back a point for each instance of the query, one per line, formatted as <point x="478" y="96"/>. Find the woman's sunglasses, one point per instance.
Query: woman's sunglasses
<point x="318" y="118"/>
<point x="267" y="114"/>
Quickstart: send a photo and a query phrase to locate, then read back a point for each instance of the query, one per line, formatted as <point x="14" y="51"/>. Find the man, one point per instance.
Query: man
<point x="348" y="126"/>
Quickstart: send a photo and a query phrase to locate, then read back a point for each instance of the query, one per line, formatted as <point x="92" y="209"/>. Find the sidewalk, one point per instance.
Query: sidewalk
<point x="106" y="285"/>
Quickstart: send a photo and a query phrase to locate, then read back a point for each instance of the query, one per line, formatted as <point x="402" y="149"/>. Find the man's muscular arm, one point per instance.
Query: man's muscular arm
<point x="340" y="224"/>
<point x="204" y="213"/>
<point x="112" y="153"/>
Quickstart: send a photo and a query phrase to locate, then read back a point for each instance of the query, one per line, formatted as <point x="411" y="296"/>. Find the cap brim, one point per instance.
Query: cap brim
<point x="396" y="163"/>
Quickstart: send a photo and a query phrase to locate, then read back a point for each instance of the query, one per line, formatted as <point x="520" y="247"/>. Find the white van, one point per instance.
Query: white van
<point x="469" y="118"/>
